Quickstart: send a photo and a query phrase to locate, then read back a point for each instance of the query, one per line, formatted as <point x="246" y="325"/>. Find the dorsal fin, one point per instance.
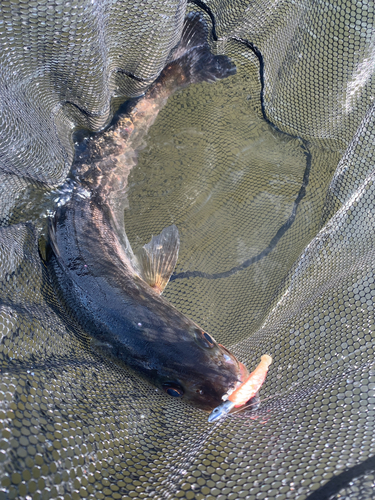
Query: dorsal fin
<point x="157" y="259"/>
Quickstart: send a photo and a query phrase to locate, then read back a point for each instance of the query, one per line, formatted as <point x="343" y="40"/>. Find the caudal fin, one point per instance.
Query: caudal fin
<point x="192" y="61"/>
<point x="194" y="55"/>
<point x="194" y="34"/>
<point x="201" y="65"/>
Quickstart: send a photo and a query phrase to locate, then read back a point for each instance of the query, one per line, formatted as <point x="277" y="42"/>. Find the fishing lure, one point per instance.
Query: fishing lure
<point x="245" y="391"/>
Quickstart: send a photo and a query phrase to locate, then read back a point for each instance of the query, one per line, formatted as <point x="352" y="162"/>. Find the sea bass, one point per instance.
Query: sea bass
<point x="115" y="294"/>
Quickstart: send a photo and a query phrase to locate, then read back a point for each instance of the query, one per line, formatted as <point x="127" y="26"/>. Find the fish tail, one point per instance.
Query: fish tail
<point x="200" y="65"/>
<point x="192" y="61"/>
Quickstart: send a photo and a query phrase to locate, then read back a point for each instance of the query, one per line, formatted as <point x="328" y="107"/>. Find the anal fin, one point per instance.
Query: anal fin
<point x="157" y="259"/>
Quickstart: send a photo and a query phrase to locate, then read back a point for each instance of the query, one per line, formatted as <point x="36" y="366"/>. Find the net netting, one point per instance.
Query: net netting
<point x="269" y="177"/>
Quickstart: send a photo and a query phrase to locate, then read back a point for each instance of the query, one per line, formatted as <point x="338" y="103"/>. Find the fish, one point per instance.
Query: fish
<point x="114" y="293"/>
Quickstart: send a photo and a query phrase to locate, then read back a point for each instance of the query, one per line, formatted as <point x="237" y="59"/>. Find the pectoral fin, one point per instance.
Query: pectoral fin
<point x="158" y="258"/>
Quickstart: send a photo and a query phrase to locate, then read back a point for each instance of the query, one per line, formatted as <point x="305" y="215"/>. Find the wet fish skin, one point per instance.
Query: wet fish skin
<point x="113" y="153"/>
<point x="127" y="318"/>
<point x="97" y="276"/>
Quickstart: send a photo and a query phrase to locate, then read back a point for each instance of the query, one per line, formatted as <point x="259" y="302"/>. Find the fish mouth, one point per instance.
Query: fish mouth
<point x="244" y="372"/>
<point x="243" y="375"/>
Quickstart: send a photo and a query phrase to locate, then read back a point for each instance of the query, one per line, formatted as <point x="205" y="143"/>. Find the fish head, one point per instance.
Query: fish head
<point x="207" y="372"/>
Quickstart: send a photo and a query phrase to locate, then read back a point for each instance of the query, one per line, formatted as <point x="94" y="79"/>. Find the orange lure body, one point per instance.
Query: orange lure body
<point x="245" y="391"/>
<point x="252" y="385"/>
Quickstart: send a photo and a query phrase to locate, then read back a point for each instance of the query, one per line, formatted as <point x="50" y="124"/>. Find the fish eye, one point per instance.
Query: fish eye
<point x="204" y="339"/>
<point x="173" y="390"/>
<point x="209" y="339"/>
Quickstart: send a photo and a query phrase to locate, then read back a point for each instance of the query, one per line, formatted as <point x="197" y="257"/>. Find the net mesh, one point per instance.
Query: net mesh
<point x="268" y="176"/>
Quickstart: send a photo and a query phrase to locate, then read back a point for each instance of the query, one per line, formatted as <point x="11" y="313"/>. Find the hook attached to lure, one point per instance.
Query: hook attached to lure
<point x="246" y="391"/>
